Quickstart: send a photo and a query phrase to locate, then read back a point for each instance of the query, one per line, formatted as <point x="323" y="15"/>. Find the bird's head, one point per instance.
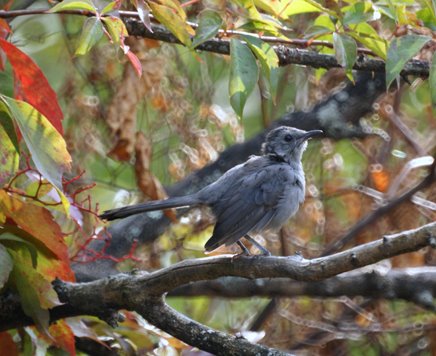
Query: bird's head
<point x="287" y="143"/>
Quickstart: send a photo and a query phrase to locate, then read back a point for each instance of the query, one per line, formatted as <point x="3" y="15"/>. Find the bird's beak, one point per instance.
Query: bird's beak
<point x="310" y="134"/>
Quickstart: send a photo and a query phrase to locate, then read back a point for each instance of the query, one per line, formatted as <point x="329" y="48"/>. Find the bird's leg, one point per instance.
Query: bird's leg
<point x="264" y="251"/>
<point x="245" y="251"/>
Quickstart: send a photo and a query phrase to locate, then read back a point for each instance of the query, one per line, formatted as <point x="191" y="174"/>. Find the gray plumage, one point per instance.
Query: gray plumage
<point x="258" y="195"/>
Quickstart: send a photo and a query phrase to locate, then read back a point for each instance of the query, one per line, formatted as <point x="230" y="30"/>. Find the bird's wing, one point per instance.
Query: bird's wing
<point x="249" y="204"/>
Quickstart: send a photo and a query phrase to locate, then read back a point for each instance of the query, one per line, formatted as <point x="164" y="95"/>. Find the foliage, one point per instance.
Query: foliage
<point x="134" y="115"/>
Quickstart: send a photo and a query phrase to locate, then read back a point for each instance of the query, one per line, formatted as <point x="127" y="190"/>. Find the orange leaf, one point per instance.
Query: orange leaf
<point x="63" y="336"/>
<point x="53" y="268"/>
<point x="381" y="179"/>
<point x="32" y="86"/>
<point x="4" y="28"/>
<point x="37" y="221"/>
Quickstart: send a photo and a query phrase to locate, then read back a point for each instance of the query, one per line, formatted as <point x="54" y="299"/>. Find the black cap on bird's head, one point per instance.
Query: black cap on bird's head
<point x="287" y="143"/>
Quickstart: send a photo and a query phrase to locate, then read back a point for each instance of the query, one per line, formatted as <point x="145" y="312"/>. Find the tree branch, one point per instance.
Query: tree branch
<point x="287" y="55"/>
<point x="143" y="292"/>
<point x="221" y="45"/>
<point x="411" y="284"/>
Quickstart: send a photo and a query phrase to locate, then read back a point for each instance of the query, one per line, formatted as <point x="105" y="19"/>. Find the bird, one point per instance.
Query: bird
<point x="258" y="195"/>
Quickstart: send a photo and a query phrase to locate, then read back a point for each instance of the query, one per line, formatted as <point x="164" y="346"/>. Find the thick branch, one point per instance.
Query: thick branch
<point x="132" y="291"/>
<point x="166" y="318"/>
<point x="411" y="284"/>
<point x="287" y="55"/>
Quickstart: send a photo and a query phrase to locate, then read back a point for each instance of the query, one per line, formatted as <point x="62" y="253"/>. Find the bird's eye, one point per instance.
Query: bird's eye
<point x="288" y="138"/>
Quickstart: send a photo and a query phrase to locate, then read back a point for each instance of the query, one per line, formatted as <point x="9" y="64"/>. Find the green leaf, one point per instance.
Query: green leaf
<point x="174" y="22"/>
<point x="324" y="21"/>
<point x="300" y="7"/>
<point x="209" y="23"/>
<point x="7" y="236"/>
<point x="45" y="143"/>
<point x="9" y="151"/>
<point x="400" y="51"/>
<point x="6" y="264"/>
<point x="432" y="81"/>
<point x="345" y="50"/>
<point x="108" y="8"/>
<point x="359" y="12"/>
<point x="35" y="291"/>
<point x="268" y="60"/>
<point x="91" y="34"/>
<point x="115" y="28"/>
<point x="86" y="5"/>
<point x="365" y="34"/>
<point x="271" y="7"/>
<point x="243" y="75"/>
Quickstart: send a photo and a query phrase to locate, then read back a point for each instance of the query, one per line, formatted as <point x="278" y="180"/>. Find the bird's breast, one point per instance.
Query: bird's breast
<point x="288" y="205"/>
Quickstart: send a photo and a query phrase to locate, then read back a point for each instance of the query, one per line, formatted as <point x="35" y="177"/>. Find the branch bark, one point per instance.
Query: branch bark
<point x="143" y="292"/>
<point x="417" y="285"/>
<point x="287" y="55"/>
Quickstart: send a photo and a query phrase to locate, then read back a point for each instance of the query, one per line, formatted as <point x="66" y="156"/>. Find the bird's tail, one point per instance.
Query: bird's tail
<point x="174" y="202"/>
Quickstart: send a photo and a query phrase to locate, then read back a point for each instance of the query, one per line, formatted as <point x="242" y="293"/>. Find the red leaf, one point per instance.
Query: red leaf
<point x="7" y="343"/>
<point x="135" y="62"/>
<point x="32" y="85"/>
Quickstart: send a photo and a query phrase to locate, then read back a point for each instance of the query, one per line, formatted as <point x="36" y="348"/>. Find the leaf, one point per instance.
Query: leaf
<point x="272" y="7"/>
<point x="299" y="7"/>
<point x="432" y="81"/>
<point x="175" y="6"/>
<point x="401" y="50"/>
<point x="63" y="336"/>
<point x="116" y="28"/>
<point x="34" y="290"/>
<point x="9" y="151"/>
<point x="34" y="86"/>
<point x="47" y="146"/>
<point x="358" y="12"/>
<point x="91" y="34"/>
<point x="345" y="50"/>
<point x="136" y="63"/>
<point x="209" y="24"/>
<point x="46" y="295"/>
<point x="6" y="264"/>
<point x="7" y="343"/>
<point x="86" y="5"/>
<point x="172" y="20"/>
<point x="7" y="236"/>
<point x="268" y="59"/>
<point x="5" y="30"/>
<point x="143" y="13"/>
<point x="324" y="21"/>
<point x="37" y="222"/>
<point x="368" y="36"/>
<point x="109" y="7"/>
<point x="243" y="75"/>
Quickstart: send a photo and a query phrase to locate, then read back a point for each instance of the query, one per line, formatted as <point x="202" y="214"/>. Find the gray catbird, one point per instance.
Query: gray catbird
<point x="255" y="196"/>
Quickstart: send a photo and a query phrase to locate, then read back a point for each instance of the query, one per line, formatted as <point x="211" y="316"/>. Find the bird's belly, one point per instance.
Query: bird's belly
<point x="286" y="209"/>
